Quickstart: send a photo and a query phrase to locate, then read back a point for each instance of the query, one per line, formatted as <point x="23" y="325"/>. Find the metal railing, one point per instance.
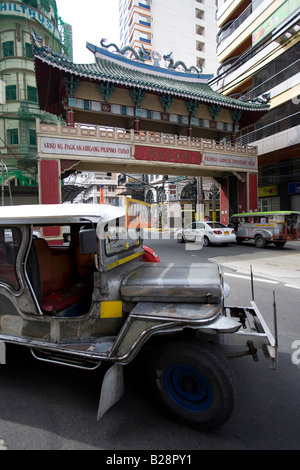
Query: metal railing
<point x="131" y="136"/>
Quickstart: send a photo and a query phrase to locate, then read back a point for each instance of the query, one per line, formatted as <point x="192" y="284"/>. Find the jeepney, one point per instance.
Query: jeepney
<point x="93" y="300"/>
<point x="276" y="227"/>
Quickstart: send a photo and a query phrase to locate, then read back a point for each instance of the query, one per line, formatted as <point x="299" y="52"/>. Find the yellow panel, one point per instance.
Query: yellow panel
<point x="124" y="260"/>
<point x="286" y="96"/>
<point x="111" y="309"/>
<point x="249" y="30"/>
<point x="228" y="12"/>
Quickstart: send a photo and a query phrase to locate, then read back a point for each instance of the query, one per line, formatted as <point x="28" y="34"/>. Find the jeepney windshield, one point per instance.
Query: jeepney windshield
<point x="118" y="238"/>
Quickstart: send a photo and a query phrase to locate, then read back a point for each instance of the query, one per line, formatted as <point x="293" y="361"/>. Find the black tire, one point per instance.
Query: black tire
<point x="180" y="238"/>
<point x="206" y="241"/>
<point x="239" y="240"/>
<point x="279" y="244"/>
<point x="260" y="241"/>
<point x="195" y="383"/>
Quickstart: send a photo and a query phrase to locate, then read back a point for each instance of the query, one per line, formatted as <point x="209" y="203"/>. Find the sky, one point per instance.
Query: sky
<point x="91" y="20"/>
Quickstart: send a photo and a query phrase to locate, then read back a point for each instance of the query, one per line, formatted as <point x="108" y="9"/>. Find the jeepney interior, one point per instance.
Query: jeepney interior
<point x="61" y="275"/>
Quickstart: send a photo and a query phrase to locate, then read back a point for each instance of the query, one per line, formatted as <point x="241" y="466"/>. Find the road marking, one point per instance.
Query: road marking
<point x="240" y="276"/>
<point x="2" y="445"/>
<point x="291" y="285"/>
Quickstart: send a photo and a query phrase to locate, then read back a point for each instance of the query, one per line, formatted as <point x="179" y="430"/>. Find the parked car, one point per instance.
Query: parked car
<point x="208" y="232"/>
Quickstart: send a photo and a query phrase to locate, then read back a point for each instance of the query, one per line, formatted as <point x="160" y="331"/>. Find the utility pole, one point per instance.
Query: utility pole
<point x="199" y="204"/>
<point x="4" y="167"/>
<point x="214" y="197"/>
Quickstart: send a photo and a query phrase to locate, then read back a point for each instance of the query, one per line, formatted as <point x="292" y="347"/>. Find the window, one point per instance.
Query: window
<point x="8" y="49"/>
<point x="144" y="20"/>
<point x="145" y="38"/>
<point x="28" y="51"/>
<point x="32" y="137"/>
<point x="45" y="4"/>
<point x="11" y="92"/>
<point x="32" y="94"/>
<point x="32" y="3"/>
<point x="144" y="4"/>
<point x="119" y="239"/>
<point x="216" y="225"/>
<point x="10" y="241"/>
<point x="12" y="137"/>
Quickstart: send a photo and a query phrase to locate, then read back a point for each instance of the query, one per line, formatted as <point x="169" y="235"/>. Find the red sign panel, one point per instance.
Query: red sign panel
<point x="160" y="154"/>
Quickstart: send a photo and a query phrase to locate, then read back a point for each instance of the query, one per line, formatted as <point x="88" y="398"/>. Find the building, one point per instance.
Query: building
<point x="259" y="55"/>
<point x="19" y="23"/>
<point x="99" y="188"/>
<point x="126" y="116"/>
<point x="185" y="29"/>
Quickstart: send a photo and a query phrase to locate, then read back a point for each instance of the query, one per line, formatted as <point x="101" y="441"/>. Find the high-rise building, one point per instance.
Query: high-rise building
<point x="19" y="23"/>
<point x="185" y="29"/>
<point x="259" y="55"/>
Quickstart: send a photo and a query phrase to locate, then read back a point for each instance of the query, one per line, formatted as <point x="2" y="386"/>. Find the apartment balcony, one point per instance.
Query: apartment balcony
<point x="232" y="25"/>
<point x="239" y="30"/>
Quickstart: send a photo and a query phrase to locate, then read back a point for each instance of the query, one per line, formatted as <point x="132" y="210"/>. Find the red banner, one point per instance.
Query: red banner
<point x="160" y="154"/>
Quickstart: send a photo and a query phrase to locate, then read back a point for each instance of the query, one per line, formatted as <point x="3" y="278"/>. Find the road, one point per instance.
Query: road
<point x="51" y="407"/>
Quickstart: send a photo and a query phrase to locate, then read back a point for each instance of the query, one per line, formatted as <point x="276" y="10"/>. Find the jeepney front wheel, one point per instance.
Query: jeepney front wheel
<point x="260" y="241"/>
<point x="195" y="382"/>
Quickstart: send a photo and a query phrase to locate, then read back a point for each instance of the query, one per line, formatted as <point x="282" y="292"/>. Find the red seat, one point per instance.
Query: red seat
<point x="60" y="288"/>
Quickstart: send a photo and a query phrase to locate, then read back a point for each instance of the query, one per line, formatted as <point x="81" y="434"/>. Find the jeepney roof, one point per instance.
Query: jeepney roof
<point x="253" y="214"/>
<point x="37" y="214"/>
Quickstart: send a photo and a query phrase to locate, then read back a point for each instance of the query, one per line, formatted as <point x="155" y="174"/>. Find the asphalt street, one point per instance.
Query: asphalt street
<point x="275" y="264"/>
<point x="51" y="407"/>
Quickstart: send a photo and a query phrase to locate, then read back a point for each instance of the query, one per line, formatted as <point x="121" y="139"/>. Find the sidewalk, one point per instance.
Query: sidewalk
<point x="282" y="266"/>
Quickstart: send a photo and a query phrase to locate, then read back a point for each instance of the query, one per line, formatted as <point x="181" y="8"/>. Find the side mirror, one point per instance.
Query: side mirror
<point x="88" y="241"/>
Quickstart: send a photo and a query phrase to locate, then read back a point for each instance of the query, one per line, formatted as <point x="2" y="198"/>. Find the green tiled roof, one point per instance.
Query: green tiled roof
<point x="107" y="70"/>
<point x="116" y="69"/>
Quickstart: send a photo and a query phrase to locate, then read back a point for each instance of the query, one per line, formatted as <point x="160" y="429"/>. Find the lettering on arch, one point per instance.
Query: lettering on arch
<point x="159" y="154"/>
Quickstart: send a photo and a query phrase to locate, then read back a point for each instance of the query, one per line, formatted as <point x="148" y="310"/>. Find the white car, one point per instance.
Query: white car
<point x="212" y="232"/>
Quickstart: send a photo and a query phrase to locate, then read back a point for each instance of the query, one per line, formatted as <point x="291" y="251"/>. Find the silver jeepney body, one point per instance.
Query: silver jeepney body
<point x="130" y="301"/>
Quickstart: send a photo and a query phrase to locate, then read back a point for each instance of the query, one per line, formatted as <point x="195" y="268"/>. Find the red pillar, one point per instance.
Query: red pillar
<point x="247" y="195"/>
<point x="136" y="125"/>
<point x="70" y="117"/>
<point x="50" y="193"/>
<point x="224" y="202"/>
<point x="49" y="181"/>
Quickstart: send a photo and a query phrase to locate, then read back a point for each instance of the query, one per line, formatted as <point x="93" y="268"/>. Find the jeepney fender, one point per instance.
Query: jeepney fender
<point x="225" y="326"/>
<point x="265" y="233"/>
<point x="153" y="318"/>
<point x="112" y="389"/>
